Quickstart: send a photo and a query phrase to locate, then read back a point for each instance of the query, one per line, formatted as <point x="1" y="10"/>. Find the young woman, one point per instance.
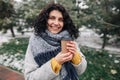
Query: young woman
<point x="44" y="59"/>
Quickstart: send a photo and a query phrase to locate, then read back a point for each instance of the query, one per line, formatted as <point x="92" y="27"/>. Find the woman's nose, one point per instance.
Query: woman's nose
<point x="56" y="22"/>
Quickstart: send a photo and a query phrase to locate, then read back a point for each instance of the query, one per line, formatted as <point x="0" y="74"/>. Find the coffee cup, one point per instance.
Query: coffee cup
<point x="64" y="46"/>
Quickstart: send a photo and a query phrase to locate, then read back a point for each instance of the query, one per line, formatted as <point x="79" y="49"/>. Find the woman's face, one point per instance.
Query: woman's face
<point x="55" y="21"/>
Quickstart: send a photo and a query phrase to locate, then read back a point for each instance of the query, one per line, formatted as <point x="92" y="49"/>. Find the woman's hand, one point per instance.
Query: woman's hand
<point x="71" y="47"/>
<point x="63" y="57"/>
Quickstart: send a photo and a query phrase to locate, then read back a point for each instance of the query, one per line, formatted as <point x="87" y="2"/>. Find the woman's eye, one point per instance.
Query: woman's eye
<point x="52" y="17"/>
<point x="61" y="19"/>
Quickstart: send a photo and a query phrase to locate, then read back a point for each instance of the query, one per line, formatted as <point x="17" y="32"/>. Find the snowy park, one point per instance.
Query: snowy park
<point x="98" y="22"/>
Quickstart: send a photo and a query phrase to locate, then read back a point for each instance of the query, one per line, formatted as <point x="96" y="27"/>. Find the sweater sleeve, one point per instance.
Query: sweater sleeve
<point x="34" y="72"/>
<point x="55" y="66"/>
<point x="77" y="58"/>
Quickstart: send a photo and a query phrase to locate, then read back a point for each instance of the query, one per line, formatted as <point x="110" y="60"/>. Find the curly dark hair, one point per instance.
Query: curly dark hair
<point x="41" y="20"/>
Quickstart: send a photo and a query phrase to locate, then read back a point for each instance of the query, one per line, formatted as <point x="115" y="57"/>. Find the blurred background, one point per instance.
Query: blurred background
<point x="98" y="22"/>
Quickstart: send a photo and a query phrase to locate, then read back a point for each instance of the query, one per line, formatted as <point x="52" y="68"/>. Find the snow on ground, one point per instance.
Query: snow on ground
<point x="89" y="38"/>
<point x="12" y="61"/>
<point x="6" y="37"/>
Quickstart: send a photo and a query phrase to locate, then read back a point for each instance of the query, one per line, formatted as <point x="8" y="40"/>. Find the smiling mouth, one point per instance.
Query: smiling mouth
<point x="55" y="27"/>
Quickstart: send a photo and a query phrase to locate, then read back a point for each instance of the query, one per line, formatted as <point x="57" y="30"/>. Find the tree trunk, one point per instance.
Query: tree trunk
<point x="12" y="31"/>
<point x="104" y="39"/>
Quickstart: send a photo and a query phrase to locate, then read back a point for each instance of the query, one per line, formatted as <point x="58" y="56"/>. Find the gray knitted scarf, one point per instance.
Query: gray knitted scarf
<point x="46" y="46"/>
